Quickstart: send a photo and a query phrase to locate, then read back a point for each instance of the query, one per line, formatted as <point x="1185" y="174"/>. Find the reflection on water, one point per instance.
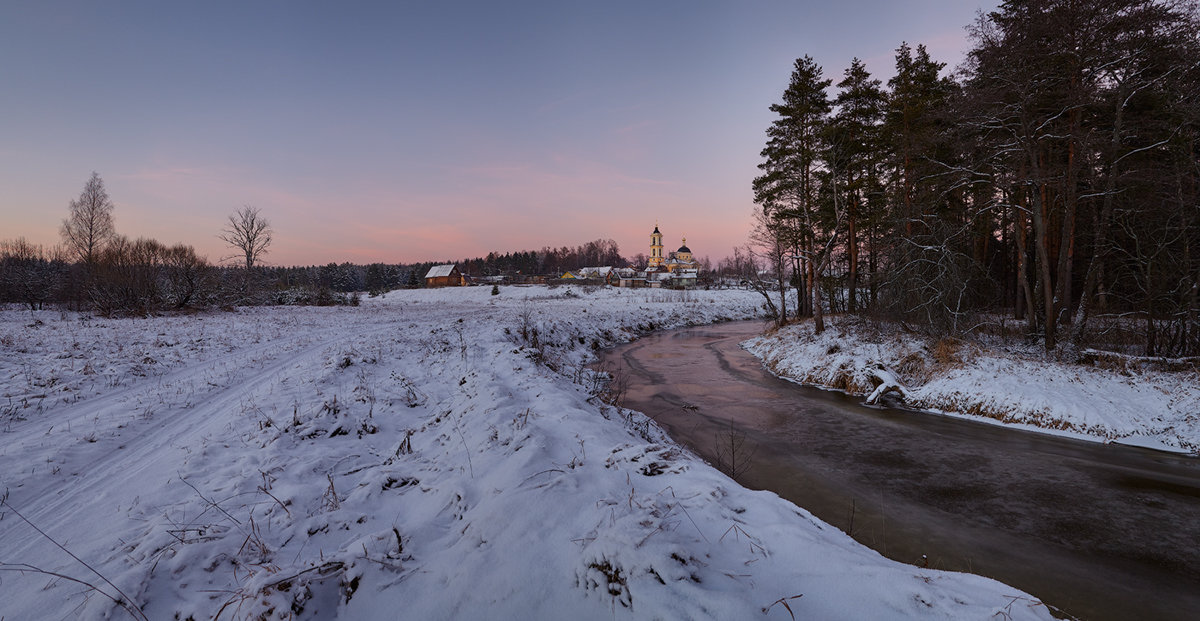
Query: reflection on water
<point x="1099" y="531"/>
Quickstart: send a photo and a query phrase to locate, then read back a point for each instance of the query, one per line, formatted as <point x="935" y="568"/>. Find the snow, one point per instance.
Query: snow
<point x="406" y="458"/>
<point x="595" y="272"/>
<point x="440" y="271"/>
<point x="887" y="382"/>
<point x="1019" y="386"/>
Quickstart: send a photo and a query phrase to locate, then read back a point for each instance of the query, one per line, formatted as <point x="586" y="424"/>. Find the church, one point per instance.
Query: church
<point x="678" y="269"/>
<point x="675" y="261"/>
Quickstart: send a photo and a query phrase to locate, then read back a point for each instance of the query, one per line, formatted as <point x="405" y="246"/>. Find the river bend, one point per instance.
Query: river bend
<point x="1098" y="531"/>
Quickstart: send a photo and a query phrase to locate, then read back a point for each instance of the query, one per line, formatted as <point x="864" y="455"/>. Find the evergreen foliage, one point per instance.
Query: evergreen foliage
<point x="1056" y="180"/>
<point x="788" y="188"/>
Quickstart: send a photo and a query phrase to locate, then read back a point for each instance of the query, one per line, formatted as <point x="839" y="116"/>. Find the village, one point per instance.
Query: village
<point x="677" y="269"/>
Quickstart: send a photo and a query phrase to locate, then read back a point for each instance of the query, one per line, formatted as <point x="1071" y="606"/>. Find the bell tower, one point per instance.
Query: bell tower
<point x="656" y="249"/>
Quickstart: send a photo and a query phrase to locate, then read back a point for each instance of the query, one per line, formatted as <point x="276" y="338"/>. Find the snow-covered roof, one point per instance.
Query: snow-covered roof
<point x="440" y="271"/>
<point x="595" y="272"/>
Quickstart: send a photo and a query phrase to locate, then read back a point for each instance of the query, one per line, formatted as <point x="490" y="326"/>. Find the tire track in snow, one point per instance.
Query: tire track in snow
<point x="141" y="466"/>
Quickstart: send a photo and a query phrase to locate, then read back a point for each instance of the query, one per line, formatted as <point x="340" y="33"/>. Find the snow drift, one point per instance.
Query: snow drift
<point x="1021" y="386"/>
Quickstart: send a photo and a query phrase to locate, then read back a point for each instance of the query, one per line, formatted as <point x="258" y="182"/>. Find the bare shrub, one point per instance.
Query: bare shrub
<point x="734" y="457"/>
<point x="946" y="350"/>
<point x="913" y="369"/>
<point x="613" y="391"/>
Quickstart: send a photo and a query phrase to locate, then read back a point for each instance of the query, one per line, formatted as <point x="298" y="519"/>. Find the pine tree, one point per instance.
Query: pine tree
<point x="855" y="152"/>
<point x="924" y="259"/>
<point x="911" y="130"/>
<point x="788" y="188"/>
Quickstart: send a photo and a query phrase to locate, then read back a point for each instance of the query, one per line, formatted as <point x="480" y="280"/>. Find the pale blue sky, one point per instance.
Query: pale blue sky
<point x="407" y="131"/>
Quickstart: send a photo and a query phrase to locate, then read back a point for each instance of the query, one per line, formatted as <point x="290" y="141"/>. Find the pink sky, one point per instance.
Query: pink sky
<point x="418" y="133"/>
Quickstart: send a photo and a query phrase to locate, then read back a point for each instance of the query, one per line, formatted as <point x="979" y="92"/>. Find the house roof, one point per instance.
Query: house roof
<point x="595" y="272"/>
<point x="440" y="271"/>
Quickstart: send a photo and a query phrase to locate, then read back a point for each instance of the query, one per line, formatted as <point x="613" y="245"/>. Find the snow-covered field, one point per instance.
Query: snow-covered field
<point x="1021" y="386"/>
<point x="406" y="459"/>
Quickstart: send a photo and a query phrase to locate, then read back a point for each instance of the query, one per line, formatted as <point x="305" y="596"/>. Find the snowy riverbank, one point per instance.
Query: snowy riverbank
<point x="404" y="459"/>
<point x="1014" y="385"/>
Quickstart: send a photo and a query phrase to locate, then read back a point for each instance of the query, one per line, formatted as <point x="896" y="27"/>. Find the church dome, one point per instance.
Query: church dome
<point x="684" y="248"/>
<point x="656" y="230"/>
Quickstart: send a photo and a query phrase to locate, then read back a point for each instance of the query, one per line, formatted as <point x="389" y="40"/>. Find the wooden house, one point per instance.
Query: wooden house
<point x="630" y="278"/>
<point x="444" y="276"/>
<point x="596" y="274"/>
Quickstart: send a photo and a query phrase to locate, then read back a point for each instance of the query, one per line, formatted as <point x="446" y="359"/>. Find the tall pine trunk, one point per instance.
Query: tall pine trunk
<point x="852" y="251"/>
<point x="1066" y="247"/>
<point x="818" y="311"/>
<point x="1041" y="241"/>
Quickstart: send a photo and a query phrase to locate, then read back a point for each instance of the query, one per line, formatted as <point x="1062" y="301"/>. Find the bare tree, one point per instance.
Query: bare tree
<point x="90" y="224"/>
<point x="768" y="243"/>
<point x="249" y="233"/>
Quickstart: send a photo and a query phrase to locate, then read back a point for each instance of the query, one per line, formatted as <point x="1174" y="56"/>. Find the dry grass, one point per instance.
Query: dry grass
<point x="914" y="370"/>
<point x="946" y="352"/>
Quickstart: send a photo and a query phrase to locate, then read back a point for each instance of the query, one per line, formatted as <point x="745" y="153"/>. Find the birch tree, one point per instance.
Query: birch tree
<point x="89" y="225"/>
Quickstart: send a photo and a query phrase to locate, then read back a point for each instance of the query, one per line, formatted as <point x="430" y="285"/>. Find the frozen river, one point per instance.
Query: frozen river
<point x="1098" y="531"/>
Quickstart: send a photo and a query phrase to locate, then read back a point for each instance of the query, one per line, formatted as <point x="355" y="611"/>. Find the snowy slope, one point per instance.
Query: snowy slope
<point x="404" y="459"/>
<point x="1022" y="387"/>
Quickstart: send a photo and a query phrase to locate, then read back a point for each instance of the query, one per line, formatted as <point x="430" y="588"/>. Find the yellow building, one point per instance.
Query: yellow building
<point x="681" y="259"/>
<point x="656" y="250"/>
<point x="674" y="269"/>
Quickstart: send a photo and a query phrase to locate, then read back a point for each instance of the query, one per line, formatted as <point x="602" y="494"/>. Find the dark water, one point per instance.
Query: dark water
<point x="1097" y="531"/>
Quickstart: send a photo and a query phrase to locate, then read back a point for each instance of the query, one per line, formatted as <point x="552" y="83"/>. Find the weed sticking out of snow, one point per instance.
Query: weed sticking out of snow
<point x="438" y="454"/>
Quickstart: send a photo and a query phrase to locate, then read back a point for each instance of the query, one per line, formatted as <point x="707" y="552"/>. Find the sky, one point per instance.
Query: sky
<point x="420" y="131"/>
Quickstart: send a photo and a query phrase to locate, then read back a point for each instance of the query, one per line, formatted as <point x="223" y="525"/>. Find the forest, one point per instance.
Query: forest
<point x="1051" y="181"/>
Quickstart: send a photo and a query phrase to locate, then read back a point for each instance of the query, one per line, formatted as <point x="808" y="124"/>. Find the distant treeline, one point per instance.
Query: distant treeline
<point x="555" y="261"/>
<point x="547" y="261"/>
<point x="99" y="270"/>
<point x="1055" y="179"/>
<point x="144" y="276"/>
